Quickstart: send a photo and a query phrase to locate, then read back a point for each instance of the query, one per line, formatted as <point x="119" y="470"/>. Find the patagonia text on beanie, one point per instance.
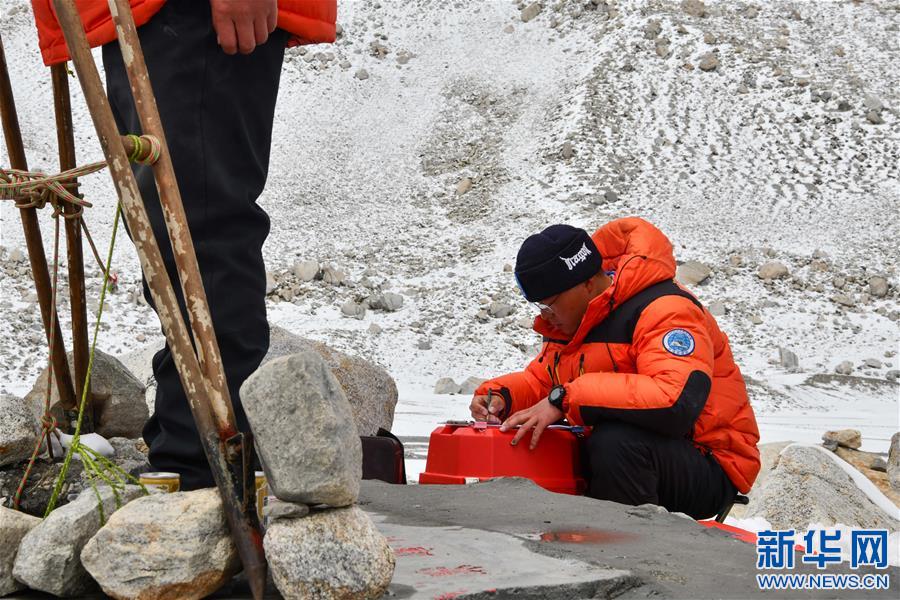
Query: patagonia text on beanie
<point x="555" y="260"/>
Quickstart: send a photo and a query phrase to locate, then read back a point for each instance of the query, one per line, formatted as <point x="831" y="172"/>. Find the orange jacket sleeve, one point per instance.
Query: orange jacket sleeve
<point x="524" y="388"/>
<point x="673" y="356"/>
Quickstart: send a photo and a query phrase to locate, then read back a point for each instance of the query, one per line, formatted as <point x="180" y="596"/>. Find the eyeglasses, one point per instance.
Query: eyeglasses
<point x="548" y="307"/>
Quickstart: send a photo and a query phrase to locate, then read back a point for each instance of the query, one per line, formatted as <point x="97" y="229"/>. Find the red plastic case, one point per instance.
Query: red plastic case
<point x="466" y="454"/>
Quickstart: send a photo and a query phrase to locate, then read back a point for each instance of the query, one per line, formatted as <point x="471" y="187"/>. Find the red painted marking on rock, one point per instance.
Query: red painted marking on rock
<point x="450" y="571"/>
<point x="413" y="551"/>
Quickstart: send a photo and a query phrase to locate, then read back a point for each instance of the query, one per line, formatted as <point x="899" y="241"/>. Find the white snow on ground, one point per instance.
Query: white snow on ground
<point x="759" y="160"/>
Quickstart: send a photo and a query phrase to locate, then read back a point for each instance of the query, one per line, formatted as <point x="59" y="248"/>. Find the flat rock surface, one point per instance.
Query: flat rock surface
<point x="627" y="552"/>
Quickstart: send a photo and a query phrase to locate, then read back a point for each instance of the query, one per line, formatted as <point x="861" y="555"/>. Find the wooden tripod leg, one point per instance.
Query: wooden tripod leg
<point x="66" y="143"/>
<point x="39" y="271"/>
<point x="224" y="446"/>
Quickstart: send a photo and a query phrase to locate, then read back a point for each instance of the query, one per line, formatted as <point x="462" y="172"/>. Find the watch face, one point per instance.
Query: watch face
<point x="556" y="394"/>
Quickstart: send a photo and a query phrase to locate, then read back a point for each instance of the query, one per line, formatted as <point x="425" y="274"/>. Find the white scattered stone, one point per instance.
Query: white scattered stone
<point x="471" y="384"/>
<point x="709" y="62"/>
<point x="530" y="11"/>
<point x="13" y="527"/>
<point x="695" y="8"/>
<point x="499" y="310"/>
<point x="788" y="359"/>
<point x="49" y="557"/>
<point x="773" y="270"/>
<point x="375" y="328"/>
<point x="271" y="284"/>
<point x="165" y="547"/>
<point x="19" y="430"/>
<point x="717" y="308"/>
<point x="872" y="363"/>
<point x="304" y="431"/>
<point x="692" y="272"/>
<point x="333" y="276"/>
<point x="352" y="309"/>
<point x="464" y="185"/>
<point x="878" y="286"/>
<point x="335" y="553"/>
<point x="844" y="368"/>
<point x="306" y="270"/>
<point x="446" y="385"/>
<point x="362" y="74"/>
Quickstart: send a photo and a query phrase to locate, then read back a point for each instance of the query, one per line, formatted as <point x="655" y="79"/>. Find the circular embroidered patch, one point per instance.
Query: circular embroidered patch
<point x="679" y="342"/>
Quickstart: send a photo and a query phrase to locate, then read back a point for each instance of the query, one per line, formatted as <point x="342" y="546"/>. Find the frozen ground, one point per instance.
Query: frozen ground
<point x="580" y="115"/>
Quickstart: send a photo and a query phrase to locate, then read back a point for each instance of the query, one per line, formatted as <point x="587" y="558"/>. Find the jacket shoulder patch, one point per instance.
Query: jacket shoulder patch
<point x="679" y="342"/>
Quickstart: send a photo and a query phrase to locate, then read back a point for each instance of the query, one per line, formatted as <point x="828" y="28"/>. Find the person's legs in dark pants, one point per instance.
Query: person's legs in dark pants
<point x="631" y="465"/>
<point x="217" y="111"/>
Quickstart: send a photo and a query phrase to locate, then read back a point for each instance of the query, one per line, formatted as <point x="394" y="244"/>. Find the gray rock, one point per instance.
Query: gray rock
<point x="271" y="284"/>
<point x="567" y="151"/>
<point x="788" y="360"/>
<point x="844" y="368"/>
<point x="424" y="345"/>
<point x="843" y="300"/>
<point x="335" y="553"/>
<point x="164" y="547"/>
<point x="652" y="29"/>
<point x="717" y="308"/>
<point x="692" y="272"/>
<point x="120" y="409"/>
<point x="879" y="464"/>
<point x="387" y="301"/>
<point x="17" y="256"/>
<point x="446" y="385"/>
<point x="808" y="486"/>
<point x="306" y="270"/>
<point x="872" y="363"/>
<point x="848" y="438"/>
<point x="369" y="388"/>
<point x="499" y="310"/>
<point x="352" y="309"/>
<point x="49" y="557"/>
<point x="874" y="118"/>
<point x="279" y="509"/>
<point x="893" y="462"/>
<point x="304" y="431"/>
<point x="610" y="196"/>
<point x="773" y="270"/>
<point x="130" y="456"/>
<point x="892" y="375"/>
<point x="471" y="384"/>
<point x="873" y="103"/>
<point x="709" y="62"/>
<point x="362" y="74"/>
<point x="464" y="185"/>
<point x="333" y="276"/>
<point x="13" y="527"/>
<point x="375" y="328"/>
<point x="695" y="8"/>
<point x="878" y="286"/>
<point x="19" y="430"/>
<point x="530" y="11"/>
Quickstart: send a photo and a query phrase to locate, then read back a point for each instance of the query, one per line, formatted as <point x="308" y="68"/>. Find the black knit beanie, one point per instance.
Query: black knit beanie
<point x="555" y="260"/>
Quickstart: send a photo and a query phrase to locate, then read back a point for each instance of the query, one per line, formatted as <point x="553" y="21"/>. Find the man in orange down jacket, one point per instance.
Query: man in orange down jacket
<point x="633" y="355"/>
<point x="215" y="67"/>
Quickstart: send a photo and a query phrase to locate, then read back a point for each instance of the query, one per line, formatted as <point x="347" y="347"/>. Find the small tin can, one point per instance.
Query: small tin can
<point x="262" y="490"/>
<point x="160" y="482"/>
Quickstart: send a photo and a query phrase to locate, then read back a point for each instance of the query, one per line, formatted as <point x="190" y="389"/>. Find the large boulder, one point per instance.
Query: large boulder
<point x="369" y="388"/>
<point x="304" y="431"/>
<point x="810" y="485"/>
<point x="49" y="557"/>
<point x="893" y="462"/>
<point x="119" y="405"/>
<point x="333" y="553"/>
<point x="19" y="430"/>
<point x="13" y="527"/>
<point x="164" y="547"/>
<point x="768" y="457"/>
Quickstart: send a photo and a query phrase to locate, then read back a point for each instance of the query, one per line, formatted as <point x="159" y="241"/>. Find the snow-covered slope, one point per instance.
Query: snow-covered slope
<point x="587" y="112"/>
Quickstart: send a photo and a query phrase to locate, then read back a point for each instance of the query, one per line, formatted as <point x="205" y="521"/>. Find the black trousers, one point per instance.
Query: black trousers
<point x="217" y="111"/>
<point x="630" y="465"/>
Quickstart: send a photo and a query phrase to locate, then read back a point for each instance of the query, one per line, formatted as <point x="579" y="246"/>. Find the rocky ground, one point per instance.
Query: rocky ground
<point x="412" y="157"/>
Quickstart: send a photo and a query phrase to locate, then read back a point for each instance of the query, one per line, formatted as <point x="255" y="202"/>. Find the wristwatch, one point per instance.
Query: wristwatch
<point x="557" y="397"/>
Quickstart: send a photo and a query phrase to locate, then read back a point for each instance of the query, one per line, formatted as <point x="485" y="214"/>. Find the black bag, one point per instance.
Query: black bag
<point x="383" y="457"/>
